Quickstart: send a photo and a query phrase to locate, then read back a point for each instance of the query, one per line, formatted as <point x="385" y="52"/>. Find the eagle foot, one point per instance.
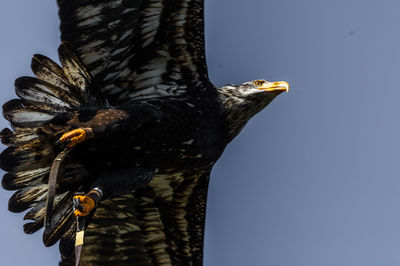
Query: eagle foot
<point x="85" y="204"/>
<point x="73" y="137"/>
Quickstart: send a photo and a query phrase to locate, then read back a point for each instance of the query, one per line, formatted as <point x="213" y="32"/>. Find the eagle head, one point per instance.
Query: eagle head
<point x="243" y="101"/>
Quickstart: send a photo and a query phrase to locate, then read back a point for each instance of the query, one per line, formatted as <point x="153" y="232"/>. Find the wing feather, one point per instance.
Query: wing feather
<point x="161" y="224"/>
<point x="140" y="49"/>
<point x="130" y="46"/>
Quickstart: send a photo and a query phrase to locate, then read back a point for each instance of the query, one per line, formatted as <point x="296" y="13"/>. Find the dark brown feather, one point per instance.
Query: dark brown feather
<point x="156" y="225"/>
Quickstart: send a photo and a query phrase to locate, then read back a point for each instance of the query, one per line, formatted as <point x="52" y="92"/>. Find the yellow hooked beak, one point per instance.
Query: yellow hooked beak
<point x="281" y="86"/>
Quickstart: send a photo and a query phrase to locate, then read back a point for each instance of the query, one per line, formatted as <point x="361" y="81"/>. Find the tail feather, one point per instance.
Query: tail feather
<point x="14" y="181"/>
<point x="9" y="138"/>
<point x="67" y="247"/>
<point x="22" y="159"/>
<point x="73" y="69"/>
<point x="25" y="198"/>
<point x="32" y="227"/>
<point x="22" y="116"/>
<point x="46" y="69"/>
<point x="62" y="220"/>
<point x="38" y="118"/>
<point x="41" y="93"/>
<point x="37" y="212"/>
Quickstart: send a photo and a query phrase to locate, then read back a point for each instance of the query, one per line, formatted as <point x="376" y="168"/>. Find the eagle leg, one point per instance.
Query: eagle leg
<point x="110" y="184"/>
<point x="73" y="137"/>
<point x="85" y="204"/>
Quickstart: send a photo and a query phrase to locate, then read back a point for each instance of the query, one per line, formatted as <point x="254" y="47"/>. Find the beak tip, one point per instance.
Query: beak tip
<point x="285" y="85"/>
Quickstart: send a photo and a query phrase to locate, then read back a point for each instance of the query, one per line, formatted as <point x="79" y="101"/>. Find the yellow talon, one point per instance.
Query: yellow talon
<point x="74" y="137"/>
<point x="86" y="204"/>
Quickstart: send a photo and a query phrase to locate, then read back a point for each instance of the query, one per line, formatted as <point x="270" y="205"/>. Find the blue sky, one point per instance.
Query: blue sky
<point x="314" y="179"/>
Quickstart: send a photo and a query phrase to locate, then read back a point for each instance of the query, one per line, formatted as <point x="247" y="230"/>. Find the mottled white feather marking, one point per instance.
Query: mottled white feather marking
<point x="90" y="45"/>
<point x="91" y="21"/>
<point x="151" y="21"/>
<point x="91" y="56"/>
<point x="153" y="225"/>
<point x="151" y="74"/>
<point x="25" y="116"/>
<point x="188" y="142"/>
<point x="89" y="11"/>
<point x="126" y="34"/>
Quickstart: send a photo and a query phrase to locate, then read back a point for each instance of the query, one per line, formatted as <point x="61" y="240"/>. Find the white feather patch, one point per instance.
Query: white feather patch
<point x="26" y="116"/>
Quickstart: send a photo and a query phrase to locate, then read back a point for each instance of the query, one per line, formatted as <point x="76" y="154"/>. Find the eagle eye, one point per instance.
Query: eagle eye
<point x="258" y="83"/>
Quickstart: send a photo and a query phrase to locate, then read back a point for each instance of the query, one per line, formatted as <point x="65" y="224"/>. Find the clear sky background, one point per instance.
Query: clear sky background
<point x="314" y="179"/>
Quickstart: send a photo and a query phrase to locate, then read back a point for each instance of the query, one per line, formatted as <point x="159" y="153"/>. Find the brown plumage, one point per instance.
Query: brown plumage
<point x="134" y="74"/>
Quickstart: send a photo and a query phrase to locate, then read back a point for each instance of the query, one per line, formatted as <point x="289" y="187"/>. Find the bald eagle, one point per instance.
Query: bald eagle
<point x="144" y="126"/>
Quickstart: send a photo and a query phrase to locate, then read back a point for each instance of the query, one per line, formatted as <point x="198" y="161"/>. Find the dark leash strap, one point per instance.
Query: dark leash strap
<point x="52" y="187"/>
<point x="80" y="233"/>
<point x="80" y="221"/>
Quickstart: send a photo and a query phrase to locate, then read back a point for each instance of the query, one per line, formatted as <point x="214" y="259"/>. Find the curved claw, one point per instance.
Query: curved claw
<point x="73" y="137"/>
<point x="83" y="205"/>
<point x="77" y="205"/>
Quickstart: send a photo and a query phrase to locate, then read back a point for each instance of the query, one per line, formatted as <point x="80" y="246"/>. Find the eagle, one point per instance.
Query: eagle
<point x="143" y="125"/>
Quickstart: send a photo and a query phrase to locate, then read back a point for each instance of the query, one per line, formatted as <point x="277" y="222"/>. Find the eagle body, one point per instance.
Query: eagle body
<point x="178" y="138"/>
<point x="181" y="145"/>
<point x="143" y="123"/>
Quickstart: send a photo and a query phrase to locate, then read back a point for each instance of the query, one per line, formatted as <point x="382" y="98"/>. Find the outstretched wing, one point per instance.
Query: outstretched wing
<point x="138" y="48"/>
<point x="156" y="225"/>
<point x="143" y="49"/>
<point x="159" y="224"/>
